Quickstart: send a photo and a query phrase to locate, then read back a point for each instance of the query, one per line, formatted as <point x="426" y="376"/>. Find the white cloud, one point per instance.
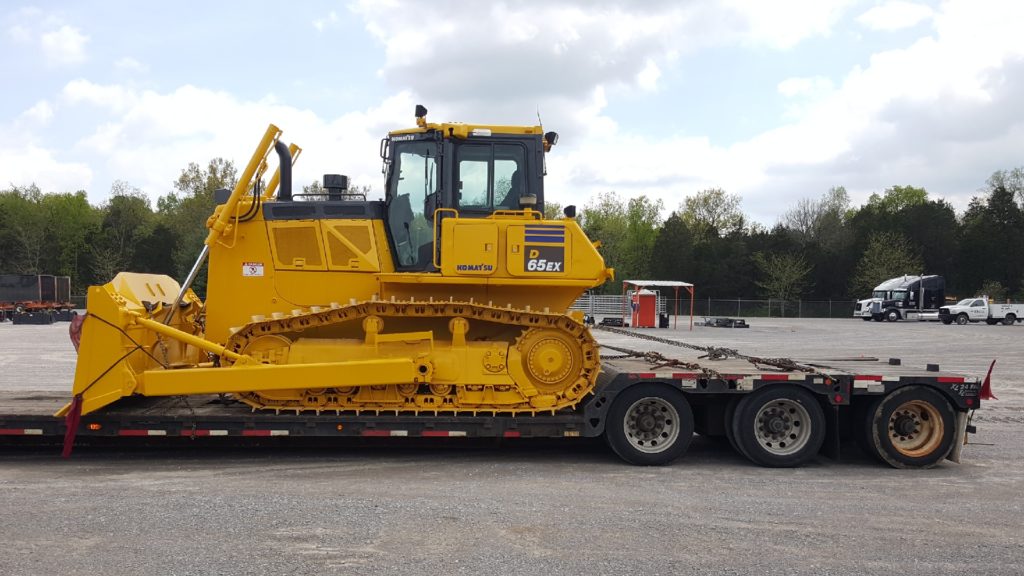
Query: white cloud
<point x="148" y="137"/>
<point x="783" y="24"/>
<point x="113" y="98"/>
<point x="488" y="59"/>
<point x="321" y="23"/>
<point x="791" y="87"/>
<point x="66" y="45"/>
<point x="647" y="79"/>
<point x="24" y="165"/>
<point x="20" y="33"/>
<point x="129" y="64"/>
<point x="40" y="113"/>
<point x="895" y="15"/>
<point x="942" y="112"/>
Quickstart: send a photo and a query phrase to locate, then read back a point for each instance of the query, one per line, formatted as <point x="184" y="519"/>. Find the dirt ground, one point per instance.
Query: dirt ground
<point x="566" y="507"/>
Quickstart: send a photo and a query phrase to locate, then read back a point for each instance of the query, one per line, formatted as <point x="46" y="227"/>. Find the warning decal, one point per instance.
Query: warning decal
<point x="252" y="268"/>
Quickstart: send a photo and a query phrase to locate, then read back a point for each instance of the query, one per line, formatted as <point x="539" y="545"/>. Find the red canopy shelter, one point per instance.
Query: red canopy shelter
<point x="675" y="284"/>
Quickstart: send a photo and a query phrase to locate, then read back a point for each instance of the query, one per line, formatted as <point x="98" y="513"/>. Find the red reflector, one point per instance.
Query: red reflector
<point x="512" y="434"/>
<point x="839" y="398"/>
<point x="969" y="401"/>
<point x="435" y="433"/>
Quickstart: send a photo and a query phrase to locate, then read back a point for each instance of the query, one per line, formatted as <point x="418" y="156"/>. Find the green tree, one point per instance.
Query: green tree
<point x="673" y="249"/>
<point x="552" y="210"/>
<point x="127" y="219"/>
<point x="712" y="212"/>
<point x="888" y="255"/>
<point x="783" y="276"/>
<point x="25" y="226"/>
<point x="185" y="210"/>
<point x="71" y="221"/>
<point x="604" y="220"/>
<point x="1011" y="180"/>
<point x="994" y="289"/>
<point x="992" y="242"/>
<point x="643" y="218"/>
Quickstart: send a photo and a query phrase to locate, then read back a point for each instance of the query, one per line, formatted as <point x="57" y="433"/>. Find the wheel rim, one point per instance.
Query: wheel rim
<point x="651" y="425"/>
<point x="916" y="429"/>
<point x="782" y="427"/>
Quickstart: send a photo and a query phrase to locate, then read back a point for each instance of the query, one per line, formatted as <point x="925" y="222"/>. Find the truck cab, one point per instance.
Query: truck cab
<point x="901" y="297"/>
<point x="980" y="309"/>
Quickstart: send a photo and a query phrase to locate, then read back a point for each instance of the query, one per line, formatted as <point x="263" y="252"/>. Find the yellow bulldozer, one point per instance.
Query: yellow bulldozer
<point x="450" y="295"/>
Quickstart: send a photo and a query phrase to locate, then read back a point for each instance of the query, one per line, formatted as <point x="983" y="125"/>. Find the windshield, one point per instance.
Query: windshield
<point x="965" y="302"/>
<point x="413" y="176"/>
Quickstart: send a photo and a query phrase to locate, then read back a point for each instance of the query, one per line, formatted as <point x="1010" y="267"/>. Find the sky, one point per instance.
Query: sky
<point x="772" y="101"/>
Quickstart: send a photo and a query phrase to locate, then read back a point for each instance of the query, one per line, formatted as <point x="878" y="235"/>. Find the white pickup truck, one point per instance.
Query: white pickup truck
<point x="978" y="309"/>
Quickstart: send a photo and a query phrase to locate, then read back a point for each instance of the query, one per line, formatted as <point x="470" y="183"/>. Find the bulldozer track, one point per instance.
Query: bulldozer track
<point x="526" y="328"/>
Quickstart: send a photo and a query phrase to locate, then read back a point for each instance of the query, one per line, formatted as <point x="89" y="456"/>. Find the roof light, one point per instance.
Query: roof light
<point x="480" y="132"/>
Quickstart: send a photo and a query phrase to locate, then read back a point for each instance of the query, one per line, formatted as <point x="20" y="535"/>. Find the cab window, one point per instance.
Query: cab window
<point x="977" y="303"/>
<point x="490" y="176"/>
<point x="413" y="177"/>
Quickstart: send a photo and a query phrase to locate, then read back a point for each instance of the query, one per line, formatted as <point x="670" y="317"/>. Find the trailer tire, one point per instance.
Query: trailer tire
<point x="892" y="316"/>
<point x="946" y="320"/>
<point x="1010" y="319"/>
<point x="650" y="425"/>
<point x="962" y="319"/>
<point x="913" y="427"/>
<point x="730" y="414"/>
<point x="779" y="426"/>
<point x="863" y="417"/>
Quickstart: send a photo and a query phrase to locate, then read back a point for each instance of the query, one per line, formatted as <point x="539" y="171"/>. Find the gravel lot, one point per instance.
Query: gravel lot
<point x="527" y="507"/>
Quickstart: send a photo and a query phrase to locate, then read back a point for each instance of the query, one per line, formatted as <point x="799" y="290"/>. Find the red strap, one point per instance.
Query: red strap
<point x="75" y="329"/>
<point x="986" y="386"/>
<point x="71" y="421"/>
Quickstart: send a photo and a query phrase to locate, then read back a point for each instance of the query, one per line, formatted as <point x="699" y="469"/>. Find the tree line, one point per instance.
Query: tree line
<point x="821" y="248"/>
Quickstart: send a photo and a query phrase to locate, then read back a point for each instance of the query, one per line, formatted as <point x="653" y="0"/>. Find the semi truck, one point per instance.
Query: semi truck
<point x="980" y="309"/>
<point x="902" y="298"/>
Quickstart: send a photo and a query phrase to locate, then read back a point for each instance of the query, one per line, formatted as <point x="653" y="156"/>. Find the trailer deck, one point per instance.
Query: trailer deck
<point x="837" y="381"/>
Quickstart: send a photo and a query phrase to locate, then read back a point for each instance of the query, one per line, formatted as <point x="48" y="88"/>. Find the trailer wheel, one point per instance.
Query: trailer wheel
<point x="962" y="319"/>
<point x="892" y="316"/>
<point x="946" y="320"/>
<point x="1009" y="320"/>
<point x="779" y="426"/>
<point x="913" y="427"/>
<point x="650" y="425"/>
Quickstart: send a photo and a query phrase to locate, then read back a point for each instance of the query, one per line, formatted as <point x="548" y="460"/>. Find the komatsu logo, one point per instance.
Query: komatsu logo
<point x="474" y="267"/>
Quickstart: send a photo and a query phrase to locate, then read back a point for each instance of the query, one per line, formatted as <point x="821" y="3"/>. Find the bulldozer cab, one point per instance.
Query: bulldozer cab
<point x="476" y="171"/>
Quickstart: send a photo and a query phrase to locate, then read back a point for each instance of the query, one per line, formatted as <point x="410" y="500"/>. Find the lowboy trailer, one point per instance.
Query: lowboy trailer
<point x="907" y="418"/>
